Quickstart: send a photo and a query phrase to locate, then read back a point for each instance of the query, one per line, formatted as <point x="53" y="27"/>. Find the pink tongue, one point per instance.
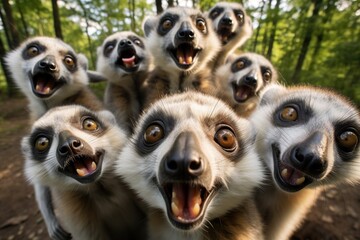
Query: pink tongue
<point x="129" y="62"/>
<point x="43" y="86"/>
<point x="241" y="93"/>
<point x="85" y="167"/>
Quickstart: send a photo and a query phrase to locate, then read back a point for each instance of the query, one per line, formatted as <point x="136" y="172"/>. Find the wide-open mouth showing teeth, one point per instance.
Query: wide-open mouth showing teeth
<point x="128" y="60"/>
<point x="186" y="203"/>
<point x="184" y="55"/>
<point x="287" y="177"/>
<point x="83" y="167"/>
<point x="225" y="34"/>
<point x="45" y="84"/>
<point x="242" y="92"/>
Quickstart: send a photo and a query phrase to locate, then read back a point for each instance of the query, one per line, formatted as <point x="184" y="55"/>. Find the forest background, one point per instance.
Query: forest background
<point x="309" y="42"/>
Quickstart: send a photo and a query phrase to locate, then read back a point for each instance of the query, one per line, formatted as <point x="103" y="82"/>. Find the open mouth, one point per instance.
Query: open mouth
<point x="225" y="34"/>
<point x="83" y="167"/>
<point x="45" y="84"/>
<point x="184" y="55"/>
<point x="128" y="60"/>
<point x="186" y="203"/>
<point x="242" y="92"/>
<point x="287" y="177"/>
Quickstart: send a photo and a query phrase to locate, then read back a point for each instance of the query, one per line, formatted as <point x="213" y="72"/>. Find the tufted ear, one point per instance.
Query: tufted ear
<point x="82" y="61"/>
<point x="148" y="25"/>
<point x="95" y="77"/>
<point x="271" y="92"/>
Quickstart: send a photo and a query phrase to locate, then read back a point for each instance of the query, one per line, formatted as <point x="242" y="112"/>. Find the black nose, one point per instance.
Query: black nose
<point x="68" y="146"/>
<point x="185" y="159"/>
<point x="125" y="43"/>
<point x="310" y="155"/>
<point x="250" y="80"/>
<point x="177" y="167"/>
<point x="226" y="21"/>
<point x="185" y="32"/>
<point x="49" y="64"/>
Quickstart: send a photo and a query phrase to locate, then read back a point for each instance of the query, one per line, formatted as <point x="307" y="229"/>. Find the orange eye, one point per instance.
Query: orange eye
<point x="226" y="139"/>
<point x="42" y="144"/>
<point x="89" y="125"/>
<point x="33" y="51"/>
<point x="201" y="25"/>
<point x="267" y="76"/>
<point x="167" y="24"/>
<point x="348" y="140"/>
<point x="69" y="62"/>
<point x="153" y="133"/>
<point x="289" y="114"/>
<point x="240" y="65"/>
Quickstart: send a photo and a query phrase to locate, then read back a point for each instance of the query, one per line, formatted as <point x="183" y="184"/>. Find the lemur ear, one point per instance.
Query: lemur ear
<point x="271" y="92"/>
<point x="95" y="77"/>
<point x="148" y="25"/>
<point x="82" y="61"/>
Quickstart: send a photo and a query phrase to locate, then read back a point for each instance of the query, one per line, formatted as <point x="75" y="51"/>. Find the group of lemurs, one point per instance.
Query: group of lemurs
<point x="192" y="140"/>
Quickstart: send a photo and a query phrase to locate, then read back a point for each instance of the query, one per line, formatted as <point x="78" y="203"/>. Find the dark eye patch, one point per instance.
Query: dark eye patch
<point x="160" y="118"/>
<point x="304" y="113"/>
<point x="47" y="132"/>
<point x="41" y="48"/>
<point x="173" y="18"/>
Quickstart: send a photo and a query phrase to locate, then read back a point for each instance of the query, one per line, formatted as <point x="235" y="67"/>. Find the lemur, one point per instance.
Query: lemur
<point x="240" y="81"/>
<point x="232" y="26"/>
<point x="72" y="150"/>
<point x="125" y="61"/>
<point x="49" y="73"/>
<point x="308" y="138"/>
<point x="192" y="160"/>
<point x="182" y="43"/>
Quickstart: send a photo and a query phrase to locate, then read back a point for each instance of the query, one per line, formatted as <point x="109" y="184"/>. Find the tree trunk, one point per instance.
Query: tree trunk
<point x="171" y="3"/>
<point x="11" y="87"/>
<point x="275" y="18"/>
<point x="259" y="27"/>
<point x="56" y="17"/>
<point x="320" y="36"/>
<point x="306" y="42"/>
<point x="22" y="18"/>
<point x="14" y="34"/>
<point x="6" y="29"/>
<point x="265" y="38"/>
<point x="92" y="51"/>
<point x="159" y="8"/>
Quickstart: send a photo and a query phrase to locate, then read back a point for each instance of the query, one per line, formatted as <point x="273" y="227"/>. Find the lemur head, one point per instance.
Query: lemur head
<point x="194" y="164"/>
<point x="47" y="68"/>
<point x="244" y="76"/>
<point x="121" y="54"/>
<point x="231" y="23"/>
<point x="181" y="39"/>
<point x="71" y="145"/>
<point x="307" y="137"/>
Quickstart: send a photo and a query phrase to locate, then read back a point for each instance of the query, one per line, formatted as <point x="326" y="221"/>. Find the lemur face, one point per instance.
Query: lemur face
<point x="71" y="144"/>
<point x="231" y="23"/>
<point x="122" y="53"/>
<point x="194" y="164"/>
<point x="308" y="137"/>
<point x="181" y="39"/>
<point x="47" y="67"/>
<point x="245" y="76"/>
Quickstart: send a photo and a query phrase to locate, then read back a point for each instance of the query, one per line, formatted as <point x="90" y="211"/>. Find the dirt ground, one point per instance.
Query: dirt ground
<point x="335" y="216"/>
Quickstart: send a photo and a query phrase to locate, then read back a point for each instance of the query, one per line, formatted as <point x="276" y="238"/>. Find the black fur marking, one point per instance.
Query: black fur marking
<point x="304" y="113"/>
<point x="162" y="118"/>
<point x="36" y="44"/>
<point x="47" y="132"/>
